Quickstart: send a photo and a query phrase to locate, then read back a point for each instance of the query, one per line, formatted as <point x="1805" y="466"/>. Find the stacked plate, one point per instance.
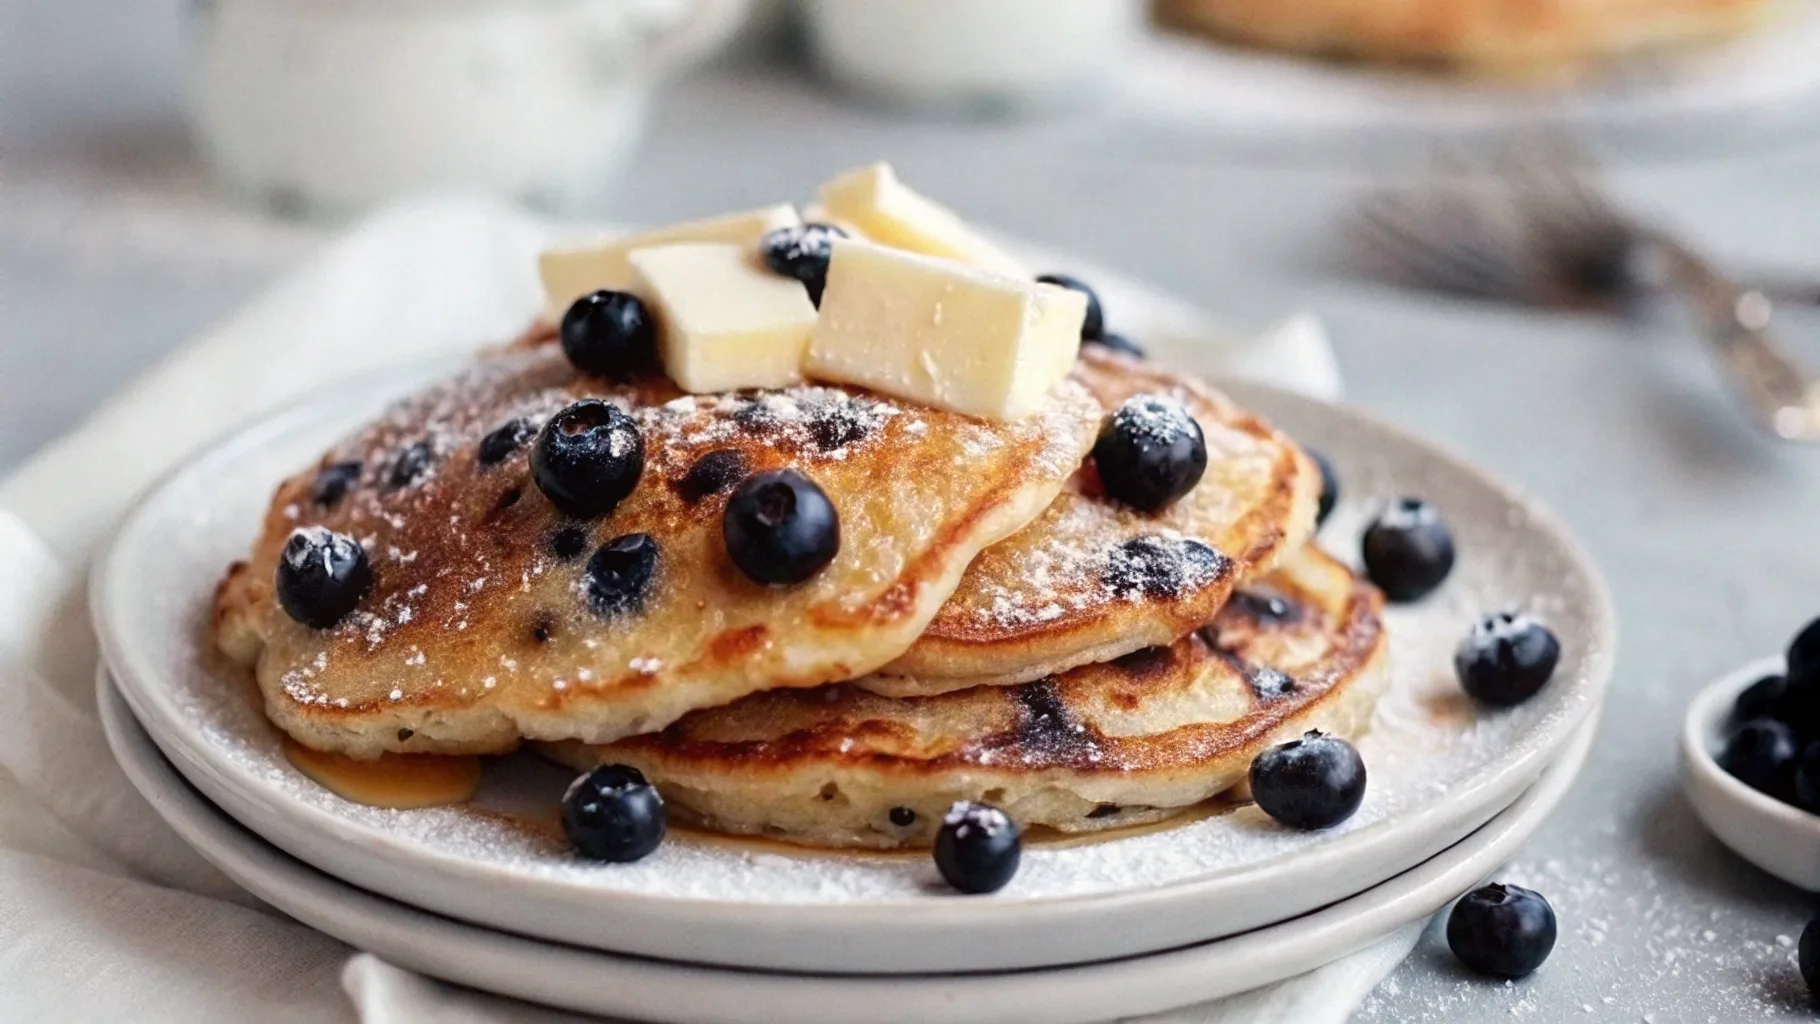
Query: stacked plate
<point x="718" y="930"/>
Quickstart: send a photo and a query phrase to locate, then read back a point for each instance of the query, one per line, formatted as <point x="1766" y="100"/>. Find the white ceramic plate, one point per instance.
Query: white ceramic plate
<point x="1777" y="837"/>
<point x="659" y="990"/>
<point x="1440" y="767"/>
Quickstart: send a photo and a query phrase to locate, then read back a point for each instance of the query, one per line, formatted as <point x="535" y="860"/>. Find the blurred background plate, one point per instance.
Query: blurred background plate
<point x="1735" y="93"/>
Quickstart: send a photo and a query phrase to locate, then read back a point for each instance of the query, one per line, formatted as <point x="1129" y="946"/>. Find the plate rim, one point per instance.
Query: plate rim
<point x="912" y="915"/>
<point x="1340" y="929"/>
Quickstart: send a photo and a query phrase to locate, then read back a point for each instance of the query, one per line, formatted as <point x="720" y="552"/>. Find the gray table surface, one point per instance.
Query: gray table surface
<point x="112" y="250"/>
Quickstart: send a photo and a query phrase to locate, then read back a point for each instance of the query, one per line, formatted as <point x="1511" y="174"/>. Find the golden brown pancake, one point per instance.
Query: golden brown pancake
<point x="476" y="632"/>
<point x="1135" y="740"/>
<point x="1092" y="578"/>
<point x="1510" y="37"/>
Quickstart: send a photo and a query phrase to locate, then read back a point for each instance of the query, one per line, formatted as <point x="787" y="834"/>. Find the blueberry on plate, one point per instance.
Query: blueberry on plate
<point x="1761" y="754"/>
<point x="1150" y="452"/>
<point x="609" y="334"/>
<point x="1093" y="328"/>
<point x="802" y="251"/>
<point x="1502" y="930"/>
<point x="978" y="848"/>
<point x="588" y="458"/>
<point x="1806" y="787"/>
<point x="613" y="814"/>
<point x="502" y="441"/>
<point x="1506" y="658"/>
<point x="1407" y="550"/>
<point x="333" y="482"/>
<point x="1312" y="783"/>
<point x="1761" y="699"/>
<point x="1118" y="343"/>
<point x="322" y="575"/>
<point x="619" y="576"/>
<point x="780" y="527"/>
<point x="1330" y="487"/>
<point x="1808" y="954"/>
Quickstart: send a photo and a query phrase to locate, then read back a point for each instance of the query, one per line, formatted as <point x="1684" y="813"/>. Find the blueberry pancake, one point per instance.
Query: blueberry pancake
<point x="1094" y="577"/>
<point x="1131" y="741"/>
<point x="448" y="592"/>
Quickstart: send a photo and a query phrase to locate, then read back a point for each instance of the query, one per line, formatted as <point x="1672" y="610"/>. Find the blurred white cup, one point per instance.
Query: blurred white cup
<point x="333" y="105"/>
<point x="973" y="56"/>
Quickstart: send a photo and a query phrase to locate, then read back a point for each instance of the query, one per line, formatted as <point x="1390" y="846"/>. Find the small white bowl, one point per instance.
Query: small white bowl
<point x="1777" y="837"/>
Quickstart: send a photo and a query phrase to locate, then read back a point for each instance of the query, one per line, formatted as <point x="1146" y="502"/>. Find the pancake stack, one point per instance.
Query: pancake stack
<point x="994" y="627"/>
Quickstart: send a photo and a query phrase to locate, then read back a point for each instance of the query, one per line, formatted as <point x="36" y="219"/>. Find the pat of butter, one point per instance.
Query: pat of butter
<point x="889" y="212"/>
<point x="956" y="337"/>
<point x="724" y="322"/>
<point x="571" y="272"/>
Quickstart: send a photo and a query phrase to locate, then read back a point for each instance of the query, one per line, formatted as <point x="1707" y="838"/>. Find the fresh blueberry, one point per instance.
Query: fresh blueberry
<point x="1150" y="452"/>
<point x="780" y="527"/>
<point x="1761" y="754"/>
<point x="1800" y="705"/>
<point x="322" y="575"/>
<point x="802" y="251"/>
<point x="609" y="334"/>
<point x="620" y="574"/>
<point x="1094" y="327"/>
<point x="1761" y="699"/>
<point x="978" y="848"/>
<point x="1808" y="954"/>
<point x="1330" y="487"/>
<point x="613" y="814"/>
<point x="1118" y="343"/>
<point x="588" y="458"/>
<point x="1315" y="782"/>
<point x="1407" y="550"/>
<point x="333" y="482"/>
<point x="1804" y="654"/>
<point x="1506" y="658"/>
<point x="1806" y="788"/>
<point x="410" y="465"/>
<point x="1502" y="930"/>
<point x="499" y="445"/>
<point x="903" y="817"/>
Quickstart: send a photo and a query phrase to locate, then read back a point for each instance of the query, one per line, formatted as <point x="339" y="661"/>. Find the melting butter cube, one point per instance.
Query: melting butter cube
<point x="960" y="338"/>
<point x="889" y="212"/>
<point x="571" y="272"/>
<point x="723" y="320"/>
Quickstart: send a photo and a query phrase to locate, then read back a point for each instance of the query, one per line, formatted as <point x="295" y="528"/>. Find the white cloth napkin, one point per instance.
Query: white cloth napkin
<point x="104" y="913"/>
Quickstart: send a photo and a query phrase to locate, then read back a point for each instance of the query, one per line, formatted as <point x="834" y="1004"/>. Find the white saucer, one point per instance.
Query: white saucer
<point x="1440" y="767"/>
<point x="658" y="990"/>
<point x="1777" y="837"/>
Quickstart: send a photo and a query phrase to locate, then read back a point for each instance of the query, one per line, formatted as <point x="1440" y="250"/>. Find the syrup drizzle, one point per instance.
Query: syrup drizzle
<point x="397" y="781"/>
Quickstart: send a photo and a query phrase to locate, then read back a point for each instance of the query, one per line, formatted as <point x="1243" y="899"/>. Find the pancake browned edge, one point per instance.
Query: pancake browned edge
<point x="1491" y="37"/>
<point x="1092" y="579"/>
<point x="479" y="631"/>
<point x="1132" y="741"/>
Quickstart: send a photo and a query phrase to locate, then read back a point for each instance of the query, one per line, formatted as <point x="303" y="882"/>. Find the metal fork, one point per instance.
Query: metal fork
<point x="1541" y="232"/>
